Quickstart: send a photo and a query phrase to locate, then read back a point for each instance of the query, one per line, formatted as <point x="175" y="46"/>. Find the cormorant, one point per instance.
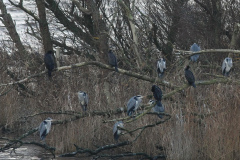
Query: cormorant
<point x="190" y="77"/>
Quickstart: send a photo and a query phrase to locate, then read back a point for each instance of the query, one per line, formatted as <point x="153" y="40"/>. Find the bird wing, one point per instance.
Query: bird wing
<point x="230" y="63"/>
<point x="223" y="66"/>
<point x="86" y="99"/>
<point x="164" y="64"/>
<point x="42" y="129"/>
<point x="48" y="126"/>
<point x="49" y="61"/>
<point x="157" y="93"/>
<point x="131" y="105"/>
<point x="195" y="48"/>
<point x="112" y="58"/>
<point x="80" y="97"/>
<point x="161" y="108"/>
<point x="115" y="127"/>
<point x="189" y="76"/>
<point x="160" y="65"/>
<point x="194" y="57"/>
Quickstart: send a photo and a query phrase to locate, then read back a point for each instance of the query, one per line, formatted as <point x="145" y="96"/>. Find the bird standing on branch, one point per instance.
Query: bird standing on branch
<point x="161" y="67"/>
<point x="44" y="128"/>
<point x="112" y="60"/>
<point x="226" y="66"/>
<point x="49" y="62"/>
<point x="133" y="104"/>
<point x="159" y="107"/>
<point x="190" y="77"/>
<point x="116" y="130"/>
<point x="83" y="99"/>
<point x="157" y="92"/>
<point x="195" y="48"/>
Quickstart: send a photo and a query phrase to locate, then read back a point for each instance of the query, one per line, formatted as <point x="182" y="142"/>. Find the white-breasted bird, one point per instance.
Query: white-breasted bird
<point x="133" y="104"/>
<point x="116" y="130"/>
<point x="159" y="107"/>
<point x="161" y="67"/>
<point x="83" y="99"/>
<point x="226" y="66"/>
<point x="44" y="128"/>
<point x="195" y="48"/>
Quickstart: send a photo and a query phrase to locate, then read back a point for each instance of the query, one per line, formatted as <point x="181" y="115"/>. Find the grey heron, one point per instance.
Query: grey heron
<point x="83" y="99"/>
<point x="161" y="67"/>
<point x="159" y="107"/>
<point x="116" y="130"/>
<point x="44" y="128"/>
<point x="157" y="92"/>
<point x="190" y="77"/>
<point x="49" y="62"/>
<point x="195" y="48"/>
<point x="133" y="104"/>
<point x="112" y="60"/>
<point x="226" y="66"/>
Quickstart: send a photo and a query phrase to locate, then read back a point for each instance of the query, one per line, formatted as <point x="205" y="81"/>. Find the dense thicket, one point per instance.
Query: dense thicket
<point x="204" y="121"/>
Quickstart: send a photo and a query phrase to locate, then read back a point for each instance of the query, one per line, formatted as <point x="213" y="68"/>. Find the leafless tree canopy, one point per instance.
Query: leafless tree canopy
<point x="201" y="123"/>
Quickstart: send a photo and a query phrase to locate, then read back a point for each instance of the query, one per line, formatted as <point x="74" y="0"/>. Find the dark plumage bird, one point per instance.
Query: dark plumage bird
<point x="159" y="107"/>
<point x="44" y="128"/>
<point x="112" y="60"/>
<point x="133" y="104"/>
<point x="195" y="48"/>
<point x="49" y="62"/>
<point x="116" y="131"/>
<point x="157" y="92"/>
<point x="83" y="99"/>
<point x="161" y="67"/>
<point x="190" y="77"/>
<point x="226" y="66"/>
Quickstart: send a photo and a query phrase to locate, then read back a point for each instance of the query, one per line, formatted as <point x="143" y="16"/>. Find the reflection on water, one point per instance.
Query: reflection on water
<point x="29" y="152"/>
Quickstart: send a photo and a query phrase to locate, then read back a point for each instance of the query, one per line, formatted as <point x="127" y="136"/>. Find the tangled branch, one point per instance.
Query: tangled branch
<point x="101" y="65"/>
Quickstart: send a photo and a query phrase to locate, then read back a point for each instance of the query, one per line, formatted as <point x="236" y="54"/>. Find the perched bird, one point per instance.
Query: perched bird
<point x="112" y="60"/>
<point x="190" y="77"/>
<point x="44" y="128"/>
<point x="157" y="92"/>
<point x="161" y="67"/>
<point x="83" y="99"/>
<point x="226" y="66"/>
<point x="49" y="62"/>
<point x="116" y="131"/>
<point x="195" y="48"/>
<point x="133" y="104"/>
<point x="159" y="107"/>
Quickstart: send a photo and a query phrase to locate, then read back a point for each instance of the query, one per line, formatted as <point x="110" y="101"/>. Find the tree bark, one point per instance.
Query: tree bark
<point x="8" y="22"/>
<point x="132" y="27"/>
<point x="44" y="29"/>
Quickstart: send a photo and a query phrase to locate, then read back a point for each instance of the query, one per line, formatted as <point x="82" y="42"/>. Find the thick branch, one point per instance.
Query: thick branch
<point x="190" y="53"/>
<point x="8" y="23"/>
<point x="94" y="152"/>
<point x="101" y="65"/>
<point x="25" y="10"/>
<point x="10" y="143"/>
<point x="84" y="10"/>
<point x="130" y="17"/>
<point x="14" y="141"/>
<point x="44" y="29"/>
<point x="53" y="6"/>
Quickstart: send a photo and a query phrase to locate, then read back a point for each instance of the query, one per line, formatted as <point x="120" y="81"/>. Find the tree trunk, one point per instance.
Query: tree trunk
<point x="45" y="34"/>
<point x="8" y="22"/>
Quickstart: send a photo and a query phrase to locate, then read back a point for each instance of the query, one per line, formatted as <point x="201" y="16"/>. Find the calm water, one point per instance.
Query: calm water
<point x="26" y="152"/>
<point x="29" y="152"/>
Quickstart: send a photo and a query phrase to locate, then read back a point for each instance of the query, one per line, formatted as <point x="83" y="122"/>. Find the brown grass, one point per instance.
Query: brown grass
<point x="204" y="123"/>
